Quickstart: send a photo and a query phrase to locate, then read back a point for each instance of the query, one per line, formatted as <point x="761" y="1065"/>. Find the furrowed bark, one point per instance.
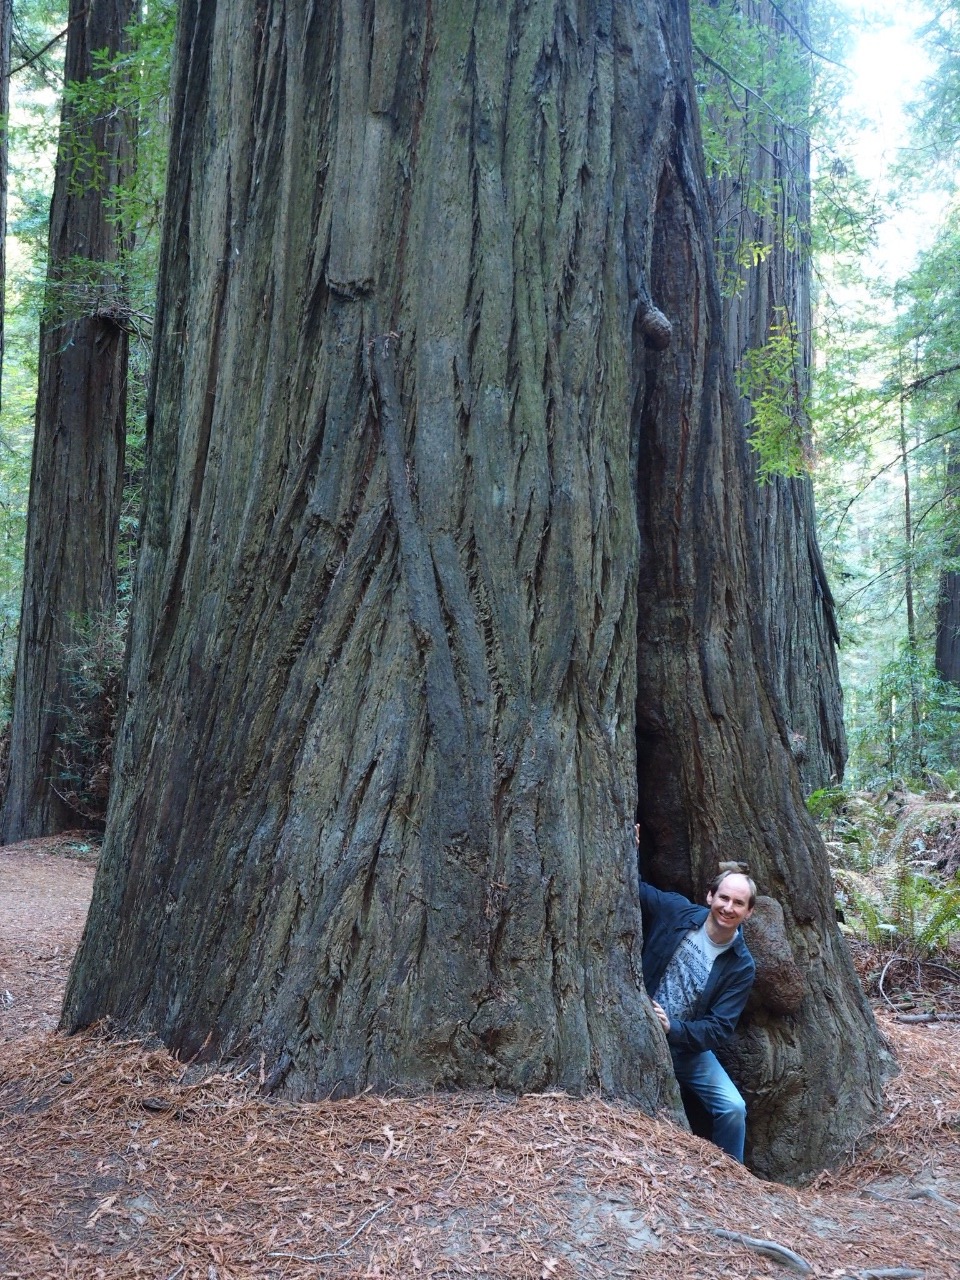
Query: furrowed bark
<point x="416" y="413"/>
<point x="76" y="482"/>
<point x="374" y="787"/>
<point x="766" y="203"/>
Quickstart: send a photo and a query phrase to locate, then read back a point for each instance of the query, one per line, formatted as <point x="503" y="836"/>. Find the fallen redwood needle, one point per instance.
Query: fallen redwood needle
<point x="320" y="1257"/>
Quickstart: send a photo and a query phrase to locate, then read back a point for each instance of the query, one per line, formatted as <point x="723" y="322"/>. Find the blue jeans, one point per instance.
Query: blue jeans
<point x="703" y="1075"/>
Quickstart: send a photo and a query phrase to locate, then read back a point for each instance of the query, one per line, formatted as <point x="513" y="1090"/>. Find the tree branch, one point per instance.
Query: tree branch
<point x="919" y="383"/>
<point x="940" y="435"/>
<point x="803" y="40"/>
<point x="35" y="57"/>
<point x="745" y="87"/>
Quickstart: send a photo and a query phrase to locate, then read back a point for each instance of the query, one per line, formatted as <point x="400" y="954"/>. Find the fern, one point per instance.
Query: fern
<point x="944" y="923"/>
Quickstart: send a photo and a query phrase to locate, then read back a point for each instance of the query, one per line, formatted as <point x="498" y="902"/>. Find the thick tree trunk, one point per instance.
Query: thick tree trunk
<point x="725" y="614"/>
<point x="766" y="203"/>
<point x="374" y="789"/>
<point x="77" y="469"/>
<point x="386" y="606"/>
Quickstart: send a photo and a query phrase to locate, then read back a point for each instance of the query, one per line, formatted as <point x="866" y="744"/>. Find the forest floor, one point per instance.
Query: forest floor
<point x="117" y="1161"/>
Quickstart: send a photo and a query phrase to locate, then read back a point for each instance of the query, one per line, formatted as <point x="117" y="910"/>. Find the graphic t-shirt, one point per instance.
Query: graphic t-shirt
<point x="686" y="975"/>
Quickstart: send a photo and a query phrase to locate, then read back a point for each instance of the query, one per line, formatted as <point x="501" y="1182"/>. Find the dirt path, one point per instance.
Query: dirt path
<point x="45" y="888"/>
<point x="116" y="1162"/>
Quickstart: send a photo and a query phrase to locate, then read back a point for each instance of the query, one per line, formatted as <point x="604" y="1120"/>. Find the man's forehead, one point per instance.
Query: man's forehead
<point x="735" y="884"/>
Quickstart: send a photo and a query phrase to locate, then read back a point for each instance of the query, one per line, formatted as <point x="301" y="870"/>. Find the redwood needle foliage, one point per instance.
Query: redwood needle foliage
<point x="771" y="378"/>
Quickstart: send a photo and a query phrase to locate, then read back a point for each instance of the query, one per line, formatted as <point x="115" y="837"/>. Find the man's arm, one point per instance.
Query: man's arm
<point x="653" y="901"/>
<point x="710" y="1031"/>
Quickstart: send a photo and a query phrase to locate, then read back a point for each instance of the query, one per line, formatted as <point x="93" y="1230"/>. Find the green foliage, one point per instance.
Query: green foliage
<point x="746" y="71"/>
<point x="770" y="378"/>
<point x="754" y="91"/>
<point x="85" y="287"/>
<point x="37" y="44"/>
<point x="886" y="418"/>
<point x="937" y="134"/>
<point x="885" y="742"/>
<point x="847" y="211"/>
<point x="825" y="801"/>
<point x="893" y="900"/>
<point x="864" y="911"/>
<point x="936" y="914"/>
<point x="910" y="912"/>
<point x="856" y="828"/>
<point x="769" y="85"/>
<point x="885" y="847"/>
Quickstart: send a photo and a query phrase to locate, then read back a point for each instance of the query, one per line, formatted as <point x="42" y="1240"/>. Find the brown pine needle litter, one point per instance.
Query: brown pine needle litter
<point x="116" y="1160"/>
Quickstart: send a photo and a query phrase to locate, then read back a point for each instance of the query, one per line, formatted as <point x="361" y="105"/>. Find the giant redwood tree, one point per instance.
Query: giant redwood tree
<point x="445" y="515"/>
<point x="76" y="480"/>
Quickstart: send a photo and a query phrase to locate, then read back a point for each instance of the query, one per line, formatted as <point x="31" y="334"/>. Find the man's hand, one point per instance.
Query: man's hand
<point x="662" y="1015"/>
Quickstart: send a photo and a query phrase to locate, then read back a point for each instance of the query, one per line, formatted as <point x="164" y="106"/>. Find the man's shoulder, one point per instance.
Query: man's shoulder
<point x="665" y="901"/>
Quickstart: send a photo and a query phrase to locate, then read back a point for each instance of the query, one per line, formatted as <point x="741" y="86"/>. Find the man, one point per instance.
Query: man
<point x="698" y="972"/>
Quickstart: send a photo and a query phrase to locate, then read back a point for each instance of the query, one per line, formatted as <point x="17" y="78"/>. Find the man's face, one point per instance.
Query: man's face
<point x="730" y="905"/>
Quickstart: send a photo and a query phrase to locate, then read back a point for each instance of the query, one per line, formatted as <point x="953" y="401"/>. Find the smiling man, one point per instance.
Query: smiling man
<point x="698" y="972"/>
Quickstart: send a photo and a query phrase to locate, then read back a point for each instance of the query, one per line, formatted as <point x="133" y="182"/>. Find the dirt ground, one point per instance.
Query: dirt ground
<point x="45" y="888"/>
<point x="117" y="1161"/>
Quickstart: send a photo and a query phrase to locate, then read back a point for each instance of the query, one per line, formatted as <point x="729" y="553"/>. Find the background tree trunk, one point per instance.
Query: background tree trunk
<point x="947" y="650"/>
<point x="372" y="805"/>
<point x="6" y="20"/>
<point x="948" y="627"/>
<point x="77" y="468"/>
<point x="763" y="218"/>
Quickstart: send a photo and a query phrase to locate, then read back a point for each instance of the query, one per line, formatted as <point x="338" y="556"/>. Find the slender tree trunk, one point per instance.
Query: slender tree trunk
<point x="916" y="760"/>
<point x="766" y="203"/>
<point x="947" y="658"/>
<point x="414" y="385"/>
<point x="77" y="470"/>
<point x="6" y="19"/>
